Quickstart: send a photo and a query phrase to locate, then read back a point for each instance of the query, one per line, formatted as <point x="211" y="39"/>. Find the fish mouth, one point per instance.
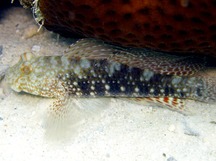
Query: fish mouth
<point x="13" y="83"/>
<point x="16" y="89"/>
<point x="15" y="86"/>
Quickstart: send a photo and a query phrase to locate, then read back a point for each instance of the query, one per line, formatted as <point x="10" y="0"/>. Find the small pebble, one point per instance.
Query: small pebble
<point x="150" y="108"/>
<point x="17" y="31"/>
<point x="35" y="48"/>
<point x="171" y="159"/>
<point x="172" y="128"/>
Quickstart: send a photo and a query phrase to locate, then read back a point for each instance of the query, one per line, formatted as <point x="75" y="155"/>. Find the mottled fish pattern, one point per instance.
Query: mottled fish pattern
<point x="91" y="68"/>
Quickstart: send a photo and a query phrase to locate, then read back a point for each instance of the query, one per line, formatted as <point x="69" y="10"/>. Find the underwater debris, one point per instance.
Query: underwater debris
<point x="30" y="31"/>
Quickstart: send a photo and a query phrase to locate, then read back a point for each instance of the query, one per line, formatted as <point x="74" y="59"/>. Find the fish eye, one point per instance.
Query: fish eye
<point x="26" y="69"/>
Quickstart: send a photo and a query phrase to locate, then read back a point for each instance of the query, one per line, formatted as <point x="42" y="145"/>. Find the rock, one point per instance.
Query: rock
<point x="175" y="26"/>
<point x="36" y="48"/>
<point x="172" y="128"/>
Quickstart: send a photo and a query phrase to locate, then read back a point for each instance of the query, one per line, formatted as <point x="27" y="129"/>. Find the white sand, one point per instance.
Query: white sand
<point x="99" y="129"/>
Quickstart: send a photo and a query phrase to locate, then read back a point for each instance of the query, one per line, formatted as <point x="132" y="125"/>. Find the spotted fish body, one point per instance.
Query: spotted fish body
<point x="90" y="68"/>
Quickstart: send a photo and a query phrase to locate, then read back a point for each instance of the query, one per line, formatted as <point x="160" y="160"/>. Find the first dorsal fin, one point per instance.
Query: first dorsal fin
<point x="157" y="62"/>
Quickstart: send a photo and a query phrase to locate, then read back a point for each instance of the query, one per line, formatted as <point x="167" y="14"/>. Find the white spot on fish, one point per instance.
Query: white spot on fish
<point x="75" y="83"/>
<point x="65" y="61"/>
<point x="84" y="63"/>
<point x="178" y="90"/>
<point x="92" y="93"/>
<point x="122" y="88"/>
<point x="113" y="67"/>
<point x="77" y="70"/>
<point x="184" y="89"/>
<point x="92" y="88"/>
<point x="151" y="90"/>
<point x="93" y="82"/>
<point x="162" y="90"/>
<point x="107" y="87"/>
<point x="136" y="89"/>
<point x="176" y="80"/>
<point x="147" y="74"/>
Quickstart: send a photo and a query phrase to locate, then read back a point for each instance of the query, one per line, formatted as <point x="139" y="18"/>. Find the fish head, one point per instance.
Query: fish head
<point x="30" y="75"/>
<point x="20" y="73"/>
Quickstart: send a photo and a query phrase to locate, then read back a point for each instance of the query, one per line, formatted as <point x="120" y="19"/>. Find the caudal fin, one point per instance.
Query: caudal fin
<point x="209" y="90"/>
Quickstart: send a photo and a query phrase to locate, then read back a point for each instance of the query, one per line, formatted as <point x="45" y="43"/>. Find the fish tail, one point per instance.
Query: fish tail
<point x="210" y="85"/>
<point x="208" y="93"/>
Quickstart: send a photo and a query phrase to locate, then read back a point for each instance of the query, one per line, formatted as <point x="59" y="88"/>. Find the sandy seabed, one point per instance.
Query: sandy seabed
<point x="95" y="129"/>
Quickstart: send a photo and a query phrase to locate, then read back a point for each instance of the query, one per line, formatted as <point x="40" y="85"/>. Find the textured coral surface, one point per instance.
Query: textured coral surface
<point x="172" y="25"/>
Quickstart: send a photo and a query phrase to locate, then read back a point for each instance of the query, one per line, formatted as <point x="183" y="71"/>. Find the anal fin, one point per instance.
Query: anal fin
<point x="172" y="103"/>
